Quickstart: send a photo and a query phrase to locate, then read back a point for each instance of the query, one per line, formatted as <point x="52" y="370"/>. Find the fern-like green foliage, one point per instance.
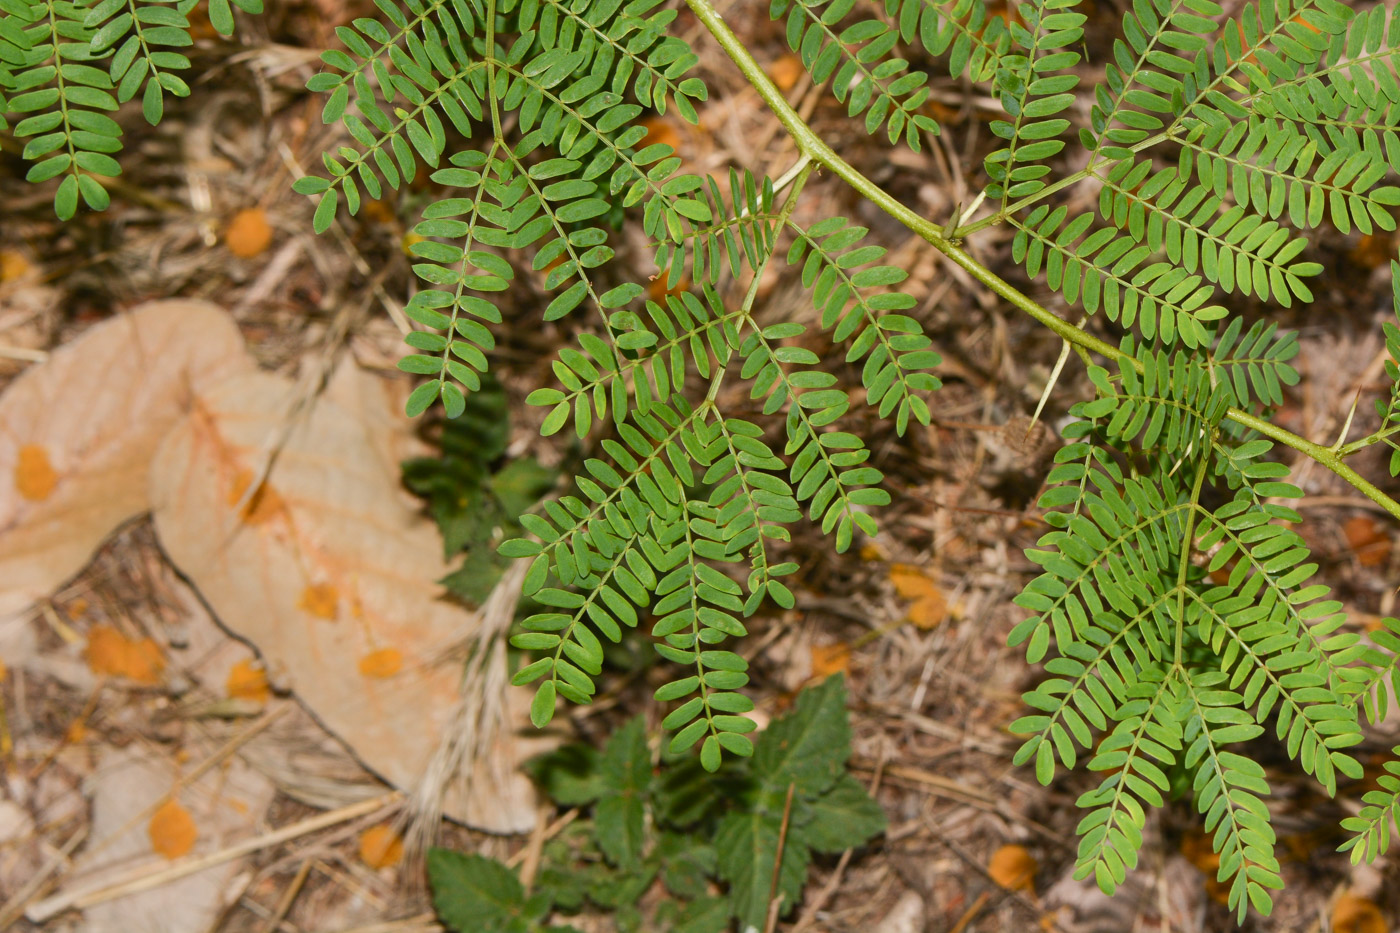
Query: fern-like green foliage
<point x="678" y="825"/>
<point x="65" y="66"/>
<point x="1177" y="616"/>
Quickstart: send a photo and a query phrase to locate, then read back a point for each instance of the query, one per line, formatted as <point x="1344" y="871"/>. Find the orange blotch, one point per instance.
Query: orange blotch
<point x="1013" y="868"/>
<point x="248" y="233"/>
<point x="927" y="604"/>
<point x="111" y="652"/>
<point x="34" y="473"/>
<point x="380" y="847"/>
<point x="830" y="659"/>
<point x="1368" y="540"/>
<point x="658" y="292"/>
<point x="13" y="266"/>
<point x="248" y="682"/>
<point x="172" y="830"/>
<point x="1196" y="847"/>
<point x="659" y="132"/>
<point x="320" y="600"/>
<point x="264" y="505"/>
<point x="385" y="662"/>
<point x="1352" y="914"/>
<point x="786" y="71"/>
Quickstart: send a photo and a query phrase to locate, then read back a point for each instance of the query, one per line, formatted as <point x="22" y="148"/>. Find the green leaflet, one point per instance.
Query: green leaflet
<point x="64" y="66"/>
<point x="855" y="57"/>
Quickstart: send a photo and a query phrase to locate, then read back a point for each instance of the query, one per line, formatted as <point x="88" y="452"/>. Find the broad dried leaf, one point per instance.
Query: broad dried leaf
<point x="78" y="432"/>
<point x="221" y="807"/>
<point x="334" y="584"/>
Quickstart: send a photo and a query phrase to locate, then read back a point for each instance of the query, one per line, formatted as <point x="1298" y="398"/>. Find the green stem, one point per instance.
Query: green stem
<point x="813" y="146"/>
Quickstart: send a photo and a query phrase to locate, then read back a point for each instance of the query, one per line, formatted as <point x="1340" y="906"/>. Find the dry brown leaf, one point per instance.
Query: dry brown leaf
<point x="172" y="830"/>
<point x="927" y="604"/>
<point x="223" y="806"/>
<point x="375" y="674"/>
<point x="248" y="233"/>
<point x="1013" y="868"/>
<point x="111" y="652"/>
<point x="1352" y="914"/>
<point x="78" y="433"/>
<point x="381" y="847"/>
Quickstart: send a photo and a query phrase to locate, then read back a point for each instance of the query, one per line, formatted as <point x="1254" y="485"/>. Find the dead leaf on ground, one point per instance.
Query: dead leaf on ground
<point x="78" y="431"/>
<point x="927" y="604"/>
<point x="222" y="807"/>
<point x="1013" y="868"/>
<point x="374" y="673"/>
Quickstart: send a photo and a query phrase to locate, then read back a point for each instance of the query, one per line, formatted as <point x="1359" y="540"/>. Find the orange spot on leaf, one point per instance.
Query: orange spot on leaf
<point x="172" y="830"/>
<point x="248" y="233"/>
<point x="1013" y="868"/>
<point x="386" y="662"/>
<point x="830" y="659"/>
<point x="13" y="266"/>
<point x="34" y="474"/>
<point x="1368" y="540"/>
<point x="247" y="682"/>
<point x="660" y="132"/>
<point x="320" y="600"/>
<point x="380" y="847"/>
<point x="264" y="505"/>
<point x="927" y="604"/>
<point x="111" y="652"/>
<point x="786" y="71"/>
